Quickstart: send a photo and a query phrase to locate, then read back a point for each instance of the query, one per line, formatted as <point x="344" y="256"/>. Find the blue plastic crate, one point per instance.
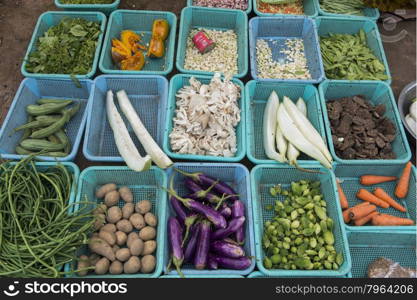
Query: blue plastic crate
<point x="237" y="176"/>
<point x="218" y="19"/>
<point x="369" y="13"/>
<point x="31" y="90"/>
<point x="349" y="176"/>
<point x="310" y="9"/>
<point x="279" y="29"/>
<point x="181" y="80"/>
<point x="148" y="95"/>
<point x="263" y="177"/>
<point x="248" y="10"/>
<point x="366" y="247"/>
<point x="257" y="94"/>
<point x="327" y="25"/>
<point x="140" y="21"/>
<point x="144" y="186"/>
<point x="104" y="8"/>
<point x="52" y="18"/>
<point x="377" y="92"/>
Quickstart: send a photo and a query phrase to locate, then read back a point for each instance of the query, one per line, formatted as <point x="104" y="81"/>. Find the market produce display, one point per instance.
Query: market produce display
<point x="206" y="118"/>
<point x="360" y="130"/>
<point x="222" y="58"/>
<point x="300" y="235"/>
<point x="45" y="130"/>
<point x="208" y="229"/>
<point x="292" y="65"/>
<point x="348" y="56"/>
<point x="347" y="7"/>
<point x="38" y="235"/>
<point x="125" y="238"/>
<point x="293" y="7"/>
<point x="233" y="4"/>
<point x="67" y="48"/>
<point x="386" y="268"/>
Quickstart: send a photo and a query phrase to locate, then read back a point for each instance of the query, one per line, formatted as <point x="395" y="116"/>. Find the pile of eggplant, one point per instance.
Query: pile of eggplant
<point x="208" y="230"/>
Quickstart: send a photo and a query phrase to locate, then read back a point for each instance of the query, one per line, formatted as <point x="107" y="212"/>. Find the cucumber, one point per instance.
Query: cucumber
<point x="39" y="145"/>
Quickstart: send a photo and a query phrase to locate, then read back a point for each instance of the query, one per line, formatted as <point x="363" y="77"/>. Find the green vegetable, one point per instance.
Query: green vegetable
<point x="38" y="235"/>
<point x="344" y="7"/>
<point x="347" y="56"/>
<point x="40" y="145"/>
<point x="67" y="48"/>
<point x="49" y="100"/>
<point x="51" y="129"/>
<point x="44" y="109"/>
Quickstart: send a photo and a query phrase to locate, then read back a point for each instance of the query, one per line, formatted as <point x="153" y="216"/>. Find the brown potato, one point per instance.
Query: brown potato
<point x="101" y="247"/>
<point x="114" y="214"/>
<point x="151" y="219"/>
<point x="127" y="210"/>
<point x="121" y="238"/>
<point x="116" y="268"/>
<point x="83" y="262"/>
<point x="94" y="258"/>
<point x="103" y="190"/>
<point x="137" y="221"/>
<point x="131" y="237"/>
<point x="109" y="227"/>
<point x="136" y="247"/>
<point x="124" y="225"/>
<point x="147" y="233"/>
<point x="148" y="263"/>
<point x="102" y="266"/>
<point x="149" y="247"/>
<point x="143" y="207"/>
<point x="123" y="254"/>
<point x="109" y="237"/>
<point x="100" y="209"/>
<point x="132" y="265"/>
<point x="115" y="248"/>
<point x="126" y="194"/>
<point x="111" y="198"/>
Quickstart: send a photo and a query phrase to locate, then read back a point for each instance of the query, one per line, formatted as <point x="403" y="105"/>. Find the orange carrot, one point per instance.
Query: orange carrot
<point x="368" y="196"/>
<point x="401" y="189"/>
<point x="366" y="219"/>
<point x="375" y="179"/>
<point x="342" y="196"/>
<point x="359" y="212"/>
<point x="345" y="214"/>
<point x="388" y="220"/>
<point x="381" y="194"/>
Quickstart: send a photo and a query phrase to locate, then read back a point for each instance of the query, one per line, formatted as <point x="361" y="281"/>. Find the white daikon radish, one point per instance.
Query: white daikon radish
<point x="293" y="153"/>
<point x="124" y="143"/>
<point x="302" y="107"/>
<point x="148" y="143"/>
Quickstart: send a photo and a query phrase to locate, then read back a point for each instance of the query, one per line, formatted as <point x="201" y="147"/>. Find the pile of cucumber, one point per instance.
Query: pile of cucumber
<point x="44" y="132"/>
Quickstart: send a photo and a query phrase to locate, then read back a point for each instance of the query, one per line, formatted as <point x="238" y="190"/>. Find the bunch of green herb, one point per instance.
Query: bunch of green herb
<point x="344" y="7"/>
<point x="347" y="56"/>
<point x="67" y="48"/>
<point x="86" y="1"/>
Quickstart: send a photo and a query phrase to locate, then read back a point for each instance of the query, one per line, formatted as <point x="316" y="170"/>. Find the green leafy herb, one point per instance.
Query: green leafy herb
<point x="67" y="48"/>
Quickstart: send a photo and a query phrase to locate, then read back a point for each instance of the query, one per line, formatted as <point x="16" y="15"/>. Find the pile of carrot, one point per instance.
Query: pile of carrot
<point x="366" y="212"/>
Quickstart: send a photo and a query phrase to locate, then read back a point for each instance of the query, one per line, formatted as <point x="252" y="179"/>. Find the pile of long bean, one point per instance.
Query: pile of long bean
<point x="343" y="7"/>
<point x="37" y="235"/>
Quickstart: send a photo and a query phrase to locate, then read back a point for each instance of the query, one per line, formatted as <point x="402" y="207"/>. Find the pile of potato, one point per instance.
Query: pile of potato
<point x="125" y="237"/>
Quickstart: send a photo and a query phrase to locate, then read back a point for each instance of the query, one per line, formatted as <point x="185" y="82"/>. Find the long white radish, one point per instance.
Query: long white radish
<point x="269" y="128"/>
<point x="148" y="143"/>
<point x="293" y="153"/>
<point x="282" y="143"/>
<point x="306" y="128"/>
<point x="302" y="106"/>
<point x="295" y="137"/>
<point x="124" y="143"/>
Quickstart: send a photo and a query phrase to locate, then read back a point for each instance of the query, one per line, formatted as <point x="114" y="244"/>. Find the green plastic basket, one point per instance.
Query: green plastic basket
<point x="52" y="18"/>
<point x="258" y="274"/>
<point x="343" y="25"/>
<point x="104" y="8"/>
<point x="181" y="80"/>
<point x="247" y="11"/>
<point x="377" y="92"/>
<point x="310" y="9"/>
<point x="365" y="247"/>
<point x="140" y="21"/>
<point x="369" y="13"/>
<point x="349" y="176"/>
<point x="144" y="185"/>
<point x="219" y="19"/>
<point x="257" y="94"/>
<point x="263" y="177"/>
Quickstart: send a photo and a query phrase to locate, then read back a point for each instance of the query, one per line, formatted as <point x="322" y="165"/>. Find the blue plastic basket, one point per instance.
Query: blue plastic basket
<point x="377" y="92"/>
<point x="279" y="29"/>
<point x="258" y="274"/>
<point x="144" y="185"/>
<point x="263" y="177"/>
<point x="104" y="8"/>
<point x="237" y="176"/>
<point x="366" y="247"/>
<point x="31" y="90"/>
<point x="369" y="13"/>
<point x="140" y="21"/>
<point x="218" y="19"/>
<point x="349" y="176"/>
<point x="181" y="80"/>
<point x="52" y="18"/>
<point x="310" y="9"/>
<point x="225" y="276"/>
<point x="247" y="11"/>
<point x="327" y="25"/>
<point x="257" y="94"/>
<point x="148" y="95"/>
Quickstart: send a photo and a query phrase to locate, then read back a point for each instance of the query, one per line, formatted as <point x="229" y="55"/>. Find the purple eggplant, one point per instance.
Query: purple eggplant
<point x="199" y="193"/>
<point x="238" y="210"/>
<point x="192" y="243"/>
<point x="203" y="245"/>
<point x="241" y="263"/>
<point x="188" y="222"/>
<point x="178" y="209"/>
<point x="225" y="211"/>
<point x="207" y="181"/>
<point x="212" y="262"/>
<point x="226" y="249"/>
<point x="175" y="238"/>
<point x="233" y="226"/>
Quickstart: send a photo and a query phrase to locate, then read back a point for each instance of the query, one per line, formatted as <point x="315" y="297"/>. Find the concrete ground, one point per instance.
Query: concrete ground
<point x="18" y="19"/>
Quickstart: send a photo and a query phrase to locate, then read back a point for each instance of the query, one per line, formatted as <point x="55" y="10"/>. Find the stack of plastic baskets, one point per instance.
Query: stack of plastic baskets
<point x="104" y="8"/>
